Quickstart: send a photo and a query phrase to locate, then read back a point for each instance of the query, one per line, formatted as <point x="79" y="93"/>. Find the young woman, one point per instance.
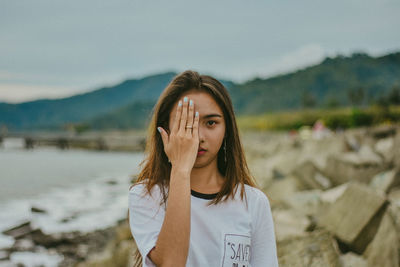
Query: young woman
<point x="194" y="202"/>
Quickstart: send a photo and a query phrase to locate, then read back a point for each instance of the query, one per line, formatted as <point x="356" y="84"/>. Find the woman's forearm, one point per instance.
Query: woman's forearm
<point x="172" y="245"/>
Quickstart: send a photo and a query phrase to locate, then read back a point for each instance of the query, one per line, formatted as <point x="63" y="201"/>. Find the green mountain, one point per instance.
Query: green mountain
<point x="341" y="81"/>
<point x="357" y="80"/>
<point x="136" y="115"/>
<point x="52" y="114"/>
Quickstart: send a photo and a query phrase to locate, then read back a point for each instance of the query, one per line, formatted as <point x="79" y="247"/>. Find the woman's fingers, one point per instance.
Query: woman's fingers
<point x="182" y="124"/>
<point x="190" y="118"/>
<point x="164" y="136"/>
<point x="175" y="125"/>
<point x="196" y="125"/>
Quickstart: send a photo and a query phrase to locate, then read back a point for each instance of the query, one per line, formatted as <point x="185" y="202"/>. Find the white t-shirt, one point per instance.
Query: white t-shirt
<point x="224" y="235"/>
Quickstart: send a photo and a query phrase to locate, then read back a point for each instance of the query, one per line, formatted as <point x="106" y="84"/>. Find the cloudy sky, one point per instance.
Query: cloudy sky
<point x="52" y="48"/>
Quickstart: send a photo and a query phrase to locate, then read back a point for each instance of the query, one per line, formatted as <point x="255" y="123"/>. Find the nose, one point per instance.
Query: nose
<point x="201" y="134"/>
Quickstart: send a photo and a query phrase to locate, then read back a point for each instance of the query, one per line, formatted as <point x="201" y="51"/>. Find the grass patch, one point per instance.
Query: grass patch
<point x="333" y="118"/>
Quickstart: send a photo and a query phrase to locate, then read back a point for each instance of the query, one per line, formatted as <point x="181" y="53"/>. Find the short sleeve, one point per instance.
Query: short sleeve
<point x="145" y="219"/>
<point x="263" y="243"/>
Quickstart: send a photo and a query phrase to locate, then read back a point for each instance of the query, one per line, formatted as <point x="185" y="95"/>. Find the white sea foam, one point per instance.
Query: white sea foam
<point x="42" y="258"/>
<point x="98" y="204"/>
<point x="92" y="206"/>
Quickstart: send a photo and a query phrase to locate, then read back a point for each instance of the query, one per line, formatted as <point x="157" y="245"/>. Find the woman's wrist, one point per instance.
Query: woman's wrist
<point x="180" y="172"/>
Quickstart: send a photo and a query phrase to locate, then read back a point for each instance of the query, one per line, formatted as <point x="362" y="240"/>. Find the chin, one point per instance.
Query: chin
<point x="203" y="162"/>
<point x="199" y="164"/>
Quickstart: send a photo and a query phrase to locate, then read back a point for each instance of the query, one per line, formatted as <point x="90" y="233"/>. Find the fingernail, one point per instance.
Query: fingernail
<point x="159" y="129"/>
<point x="180" y="103"/>
<point x="191" y="102"/>
<point x="197" y="113"/>
<point x="185" y="99"/>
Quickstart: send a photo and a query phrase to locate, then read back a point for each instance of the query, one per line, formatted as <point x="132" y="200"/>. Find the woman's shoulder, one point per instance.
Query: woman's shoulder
<point x="255" y="195"/>
<point x="137" y="186"/>
<point x="140" y="189"/>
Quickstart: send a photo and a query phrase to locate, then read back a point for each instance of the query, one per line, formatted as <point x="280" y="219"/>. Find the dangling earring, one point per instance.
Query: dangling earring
<point x="225" y="149"/>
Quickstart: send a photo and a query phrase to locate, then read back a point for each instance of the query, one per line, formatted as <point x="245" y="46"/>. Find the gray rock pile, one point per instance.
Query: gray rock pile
<point x="336" y="201"/>
<point x="108" y="247"/>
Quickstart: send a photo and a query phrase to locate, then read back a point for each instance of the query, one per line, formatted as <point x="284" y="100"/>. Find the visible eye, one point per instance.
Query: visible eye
<point x="211" y="123"/>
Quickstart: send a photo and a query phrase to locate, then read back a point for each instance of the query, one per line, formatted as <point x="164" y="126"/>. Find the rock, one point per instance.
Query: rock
<point x="351" y="143"/>
<point x="305" y="202"/>
<point x="331" y="195"/>
<point x="396" y="156"/>
<point x="394" y="211"/>
<point x="289" y="223"/>
<point x="38" y="210"/>
<point x="355" y="216"/>
<point x="115" y="254"/>
<point x="384" y="148"/>
<point x="386" y="180"/>
<point x="315" y="249"/>
<point x="351" y="259"/>
<point x="351" y="166"/>
<point x="383" y="250"/>
<point x="82" y="251"/>
<point x="23" y="245"/>
<point x="311" y="177"/>
<point x="53" y="240"/>
<point x="123" y="231"/>
<point x="123" y="253"/>
<point x="394" y="196"/>
<point x="382" y="131"/>
<point x="19" y="231"/>
<point x="281" y="188"/>
<point x="4" y="255"/>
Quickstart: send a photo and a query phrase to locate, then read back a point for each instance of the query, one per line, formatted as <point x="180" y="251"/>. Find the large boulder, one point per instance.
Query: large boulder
<point x="384" y="147"/>
<point x="354" y="217"/>
<point x="358" y="166"/>
<point x="351" y="259"/>
<point x="385" y="181"/>
<point x="318" y="248"/>
<point x="289" y="224"/>
<point x="305" y="202"/>
<point x="383" y="250"/>
<point x="281" y="188"/>
<point x="331" y="195"/>
<point x="394" y="210"/>
<point x="311" y="177"/>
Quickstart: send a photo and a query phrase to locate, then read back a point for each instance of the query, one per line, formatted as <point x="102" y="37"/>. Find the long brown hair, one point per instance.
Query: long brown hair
<point x="157" y="169"/>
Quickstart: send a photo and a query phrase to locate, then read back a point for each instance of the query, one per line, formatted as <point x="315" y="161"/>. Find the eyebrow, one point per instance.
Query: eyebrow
<point x="211" y="115"/>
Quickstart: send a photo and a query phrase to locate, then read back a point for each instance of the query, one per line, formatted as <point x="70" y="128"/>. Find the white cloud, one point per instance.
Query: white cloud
<point x="6" y="75"/>
<point x="15" y="93"/>
<point x="304" y="56"/>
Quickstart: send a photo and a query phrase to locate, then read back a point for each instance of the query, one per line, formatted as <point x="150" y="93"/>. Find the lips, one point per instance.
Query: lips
<point x="201" y="151"/>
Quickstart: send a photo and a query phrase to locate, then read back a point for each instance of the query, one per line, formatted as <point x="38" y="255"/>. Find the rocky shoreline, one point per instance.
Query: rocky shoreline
<point x="112" y="246"/>
<point x="335" y="202"/>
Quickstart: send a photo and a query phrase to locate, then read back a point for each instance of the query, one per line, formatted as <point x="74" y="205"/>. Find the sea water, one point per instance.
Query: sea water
<point x="78" y="190"/>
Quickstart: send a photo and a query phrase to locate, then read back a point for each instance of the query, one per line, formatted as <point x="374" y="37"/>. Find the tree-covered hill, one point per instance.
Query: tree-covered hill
<point x="54" y="113"/>
<point x="340" y="81"/>
<point x="357" y="80"/>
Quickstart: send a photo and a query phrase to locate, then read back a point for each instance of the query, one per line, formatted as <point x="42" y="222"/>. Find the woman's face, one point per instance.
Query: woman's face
<point x="211" y="126"/>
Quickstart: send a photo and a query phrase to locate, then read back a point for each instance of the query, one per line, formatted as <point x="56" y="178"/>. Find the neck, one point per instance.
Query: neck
<point x="206" y="179"/>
